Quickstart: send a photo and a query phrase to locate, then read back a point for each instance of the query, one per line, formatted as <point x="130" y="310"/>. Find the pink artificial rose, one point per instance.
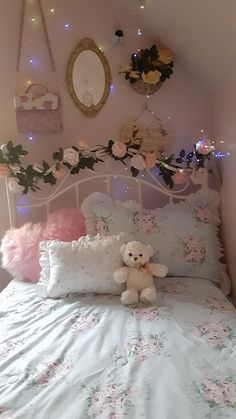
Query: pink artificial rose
<point x="138" y="162"/>
<point x="150" y="160"/>
<point x="119" y="149"/>
<point x="4" y="171"/>
<point x="60" y="173"/>
<point x="82" y="145"/>
<point x="179" y="178"/>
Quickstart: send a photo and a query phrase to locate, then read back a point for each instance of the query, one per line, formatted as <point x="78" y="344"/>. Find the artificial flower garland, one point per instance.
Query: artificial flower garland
<point x="75" y="158"/>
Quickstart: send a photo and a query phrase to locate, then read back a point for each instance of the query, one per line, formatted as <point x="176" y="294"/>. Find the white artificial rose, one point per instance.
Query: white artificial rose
<point x="37" y="168"/>
<point x="71" y="156"/>
<point x="138" y="162"/>
<point x="15" y="168"/>
<point x="13" y="185"/>
<point x="4" y="149"/>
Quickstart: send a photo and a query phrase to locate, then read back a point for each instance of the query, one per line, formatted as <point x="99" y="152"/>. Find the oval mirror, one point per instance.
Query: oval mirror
<point x="88" y="77"/>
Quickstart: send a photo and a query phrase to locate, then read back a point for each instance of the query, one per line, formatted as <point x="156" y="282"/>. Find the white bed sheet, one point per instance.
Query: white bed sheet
<point x="90" y="357"/>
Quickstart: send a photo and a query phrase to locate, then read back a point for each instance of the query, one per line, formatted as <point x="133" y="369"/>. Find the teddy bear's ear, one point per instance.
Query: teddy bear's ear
<point x="149" y="249"/>
<point x="122" y="249"/>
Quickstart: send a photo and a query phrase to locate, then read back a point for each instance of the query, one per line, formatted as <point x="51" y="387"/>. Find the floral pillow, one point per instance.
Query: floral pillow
<point x="82" y="266"/>
<point x="183" y="235"/>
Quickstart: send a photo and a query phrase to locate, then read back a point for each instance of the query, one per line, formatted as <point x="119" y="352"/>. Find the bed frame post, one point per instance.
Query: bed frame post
<point x="11" y="206"/>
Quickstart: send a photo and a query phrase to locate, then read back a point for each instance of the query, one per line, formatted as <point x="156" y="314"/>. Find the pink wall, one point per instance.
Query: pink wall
<point x="181" y="98"/>
<point x="225" y="130"/>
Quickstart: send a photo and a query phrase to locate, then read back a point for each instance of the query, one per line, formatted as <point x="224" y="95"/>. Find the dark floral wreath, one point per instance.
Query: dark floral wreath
<point x="151" y="65"/>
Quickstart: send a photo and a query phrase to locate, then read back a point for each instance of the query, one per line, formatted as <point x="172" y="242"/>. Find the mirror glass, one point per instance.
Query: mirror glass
<point x="88" y="77"/>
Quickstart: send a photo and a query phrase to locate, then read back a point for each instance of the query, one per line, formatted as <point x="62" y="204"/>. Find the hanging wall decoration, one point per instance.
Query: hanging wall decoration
<point x="37" y="109"/>
<point x="148" y="69"/>
<point x="152" y="133"/>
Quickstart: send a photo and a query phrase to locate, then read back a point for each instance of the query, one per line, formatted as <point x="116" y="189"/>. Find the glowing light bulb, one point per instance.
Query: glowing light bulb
<point x="28" y="82"/>
<point x="52" y="10"/>
<point x="31" y="61"/>
<point x="139" y="32"/>
<point x="33" y="19"/>
<point x="142" y="4"/>
<point x="66" y="25"/>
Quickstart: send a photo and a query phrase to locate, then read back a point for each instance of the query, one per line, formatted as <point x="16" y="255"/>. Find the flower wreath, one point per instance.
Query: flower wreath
<point x="73" y="159"/>
<point x="150" y="65"/>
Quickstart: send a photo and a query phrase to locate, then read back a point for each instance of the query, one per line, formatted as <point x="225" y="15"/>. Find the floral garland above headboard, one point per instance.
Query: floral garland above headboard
<point x="71" y="160"/>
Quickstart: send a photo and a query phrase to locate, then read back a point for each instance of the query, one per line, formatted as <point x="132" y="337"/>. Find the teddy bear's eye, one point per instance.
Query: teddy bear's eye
<point x="130" y="254"/>
<point x="141" y="255"/>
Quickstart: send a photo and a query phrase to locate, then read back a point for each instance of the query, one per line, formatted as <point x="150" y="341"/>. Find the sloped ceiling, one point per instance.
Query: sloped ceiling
<point x="202" y="34"/>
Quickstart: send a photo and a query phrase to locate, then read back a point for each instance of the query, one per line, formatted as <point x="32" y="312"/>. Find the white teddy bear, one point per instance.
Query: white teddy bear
<point x="138" y="273"/>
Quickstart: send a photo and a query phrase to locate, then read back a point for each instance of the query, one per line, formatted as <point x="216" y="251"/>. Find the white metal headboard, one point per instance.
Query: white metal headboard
<point x="139" y="183"/>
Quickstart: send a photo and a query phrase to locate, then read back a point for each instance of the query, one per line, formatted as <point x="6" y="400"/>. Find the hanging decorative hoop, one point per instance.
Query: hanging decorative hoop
<point x="146" y="89"/>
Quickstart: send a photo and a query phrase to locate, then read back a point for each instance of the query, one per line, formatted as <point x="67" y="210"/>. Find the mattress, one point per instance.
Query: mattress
<point x="90" y="357"/>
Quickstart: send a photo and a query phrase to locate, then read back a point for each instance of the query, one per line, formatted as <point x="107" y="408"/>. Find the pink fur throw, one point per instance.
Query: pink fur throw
<point x="20" y="246"/>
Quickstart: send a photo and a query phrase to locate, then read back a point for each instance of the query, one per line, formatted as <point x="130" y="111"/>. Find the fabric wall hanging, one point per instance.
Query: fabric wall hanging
<point x="37" y="109"/>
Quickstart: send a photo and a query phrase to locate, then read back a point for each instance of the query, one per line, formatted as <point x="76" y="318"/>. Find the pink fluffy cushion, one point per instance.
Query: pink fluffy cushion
<point x="20" y="251"/>
<point x="20" y="246"/>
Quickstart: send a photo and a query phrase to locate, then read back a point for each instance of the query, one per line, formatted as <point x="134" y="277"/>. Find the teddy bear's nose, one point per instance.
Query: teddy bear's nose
<point x="135" y="258"/>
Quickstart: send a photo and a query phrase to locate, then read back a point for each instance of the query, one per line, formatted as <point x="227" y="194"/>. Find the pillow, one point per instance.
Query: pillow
<point x="82" y="266"/>
<point x="20" y="246"/>
<point x="183" y="235"/>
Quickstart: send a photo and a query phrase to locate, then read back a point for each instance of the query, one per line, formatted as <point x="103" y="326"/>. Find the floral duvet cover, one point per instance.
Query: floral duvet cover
<point x="90" y="357"/>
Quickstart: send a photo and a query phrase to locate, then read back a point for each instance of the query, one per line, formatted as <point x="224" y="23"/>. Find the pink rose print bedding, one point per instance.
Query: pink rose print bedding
<point x="193" y="250"/>
<point x="202" y="214"/>
<point x="89" y="357"/>
<point x="146" y="222"/>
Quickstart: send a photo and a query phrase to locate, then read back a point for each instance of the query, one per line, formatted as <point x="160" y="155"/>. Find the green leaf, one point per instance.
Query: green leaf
<point x="56" y="156"/>
<point x="49" y="179"/>
<point x="10" y="145"/>
<point x="23" y="153"/>
<point x="153" y="52"/>
<point x="134" y="171"/>
<point x="75" y="170"/>
<point x="46" y="166"/>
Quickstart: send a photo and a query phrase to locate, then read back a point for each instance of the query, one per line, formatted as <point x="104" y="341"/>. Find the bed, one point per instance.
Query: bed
<point x="88" y="356"/>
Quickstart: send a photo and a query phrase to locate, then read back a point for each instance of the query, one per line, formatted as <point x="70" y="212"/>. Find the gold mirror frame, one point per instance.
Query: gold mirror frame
<point x="84" y="45"/>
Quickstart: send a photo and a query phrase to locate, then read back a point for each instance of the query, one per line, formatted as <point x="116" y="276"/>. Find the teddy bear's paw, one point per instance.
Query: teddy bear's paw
<point x="148" y="295"/>
<point x="130" y="296"/>
<point x="120" y="276"/>
<point x="162" y="271"/>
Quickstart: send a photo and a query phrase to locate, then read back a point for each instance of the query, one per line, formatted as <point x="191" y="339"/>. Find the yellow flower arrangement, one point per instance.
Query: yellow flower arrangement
<point x="149" y="65"/>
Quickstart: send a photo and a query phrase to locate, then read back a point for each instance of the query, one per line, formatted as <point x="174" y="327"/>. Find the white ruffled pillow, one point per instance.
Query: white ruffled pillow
<point x="82" y="266"/>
